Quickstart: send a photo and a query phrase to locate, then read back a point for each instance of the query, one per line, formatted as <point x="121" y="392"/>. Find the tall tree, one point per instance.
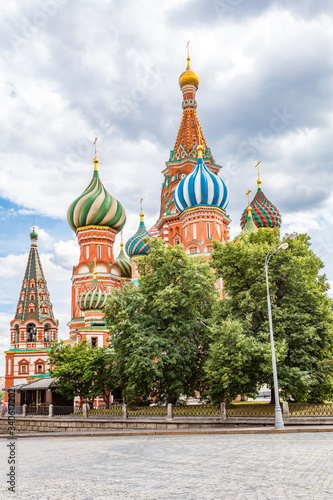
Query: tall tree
<point x="301" y="312"/>
<point x="159" y="330"/>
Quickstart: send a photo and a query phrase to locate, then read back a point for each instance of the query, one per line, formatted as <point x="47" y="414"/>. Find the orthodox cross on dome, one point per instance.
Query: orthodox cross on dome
<point x="121" y="242"/>
<point x="141" y="213"/>
<point x="258" y="166"/>
<point x="249" y="205"/>
<point x="95" y="159"/>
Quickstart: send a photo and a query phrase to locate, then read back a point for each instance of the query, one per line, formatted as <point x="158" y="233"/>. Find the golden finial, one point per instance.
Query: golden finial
<point x="95" y="272"/>
<point x="141" y="213"/>
<point x="188" y="54"/>
<point x="121" y="242"/>
<point x="249" y="205"/>
<point x="95" y="159"/>
<point x="258" y="181"/>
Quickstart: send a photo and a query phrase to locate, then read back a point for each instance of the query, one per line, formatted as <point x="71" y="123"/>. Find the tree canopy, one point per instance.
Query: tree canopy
<point x="159" y="329"/>
<point x="84" y="371"/>
<point x="239" y="358"/>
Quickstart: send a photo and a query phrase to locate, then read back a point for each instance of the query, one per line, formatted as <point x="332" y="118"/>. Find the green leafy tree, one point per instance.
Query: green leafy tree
<point x="101" y="364"/>
<point x="302" y="320"/>
<point x="69" y="367"/>
<point x="84" y="371"/>
<point x="159" y="330"/>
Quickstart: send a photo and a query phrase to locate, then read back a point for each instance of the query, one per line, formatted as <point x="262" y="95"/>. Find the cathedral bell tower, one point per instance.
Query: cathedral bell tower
<point x="33" y="328"/>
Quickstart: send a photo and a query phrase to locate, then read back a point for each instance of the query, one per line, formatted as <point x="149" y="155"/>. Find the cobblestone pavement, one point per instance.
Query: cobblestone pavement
<point x="234" y="467"/>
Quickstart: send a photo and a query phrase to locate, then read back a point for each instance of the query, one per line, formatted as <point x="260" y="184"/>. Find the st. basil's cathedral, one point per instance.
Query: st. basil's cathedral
<point x="193" y="213"/>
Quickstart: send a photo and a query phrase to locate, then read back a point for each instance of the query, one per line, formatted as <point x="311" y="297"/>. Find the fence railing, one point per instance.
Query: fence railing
<point x="310" y="410"/>
<point x="197" y="411"/>
<point x="113" y="411"/>
<point x="250" y="410"/>
<point x="146" y="411"/>
<point x="223" y="412"/>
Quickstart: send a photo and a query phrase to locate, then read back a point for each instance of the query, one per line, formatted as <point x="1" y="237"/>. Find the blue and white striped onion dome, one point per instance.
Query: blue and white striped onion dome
<point x="201" y="187"/>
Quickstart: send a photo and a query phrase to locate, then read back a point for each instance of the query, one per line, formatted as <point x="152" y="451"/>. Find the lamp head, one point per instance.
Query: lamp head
<point x="283" y="246"/>
<point x="291" y="236"/>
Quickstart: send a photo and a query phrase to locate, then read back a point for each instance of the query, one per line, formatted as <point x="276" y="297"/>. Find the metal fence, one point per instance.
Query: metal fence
<point x="113" y="411"/>
<point x="146" y="411"/>
<point x="42" y="409"/>
<point x="310" y="410"/>
<point x="197" y="411"/>
<point x="66" y="411"/>
<point x="251" y="410"/>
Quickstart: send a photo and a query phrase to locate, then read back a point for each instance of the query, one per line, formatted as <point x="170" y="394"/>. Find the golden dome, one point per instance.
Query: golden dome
<point x="188" y="77"/>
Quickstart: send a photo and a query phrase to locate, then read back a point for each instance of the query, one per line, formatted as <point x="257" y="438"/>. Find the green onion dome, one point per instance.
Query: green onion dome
<point x="248" y="229"/>
<point x="265" y="214"/>
<point x="92" y="298"/>
<point x="33" y="234"/>
<point x="123" y="262"/>
<point x="96" y="207"/>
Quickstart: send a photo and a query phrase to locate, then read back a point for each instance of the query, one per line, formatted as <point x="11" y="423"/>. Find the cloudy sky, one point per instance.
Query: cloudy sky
<point x="75" y="69"/>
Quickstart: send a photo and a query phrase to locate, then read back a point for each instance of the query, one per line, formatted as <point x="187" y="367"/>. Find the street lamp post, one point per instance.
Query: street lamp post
<point x="278" y="414"/>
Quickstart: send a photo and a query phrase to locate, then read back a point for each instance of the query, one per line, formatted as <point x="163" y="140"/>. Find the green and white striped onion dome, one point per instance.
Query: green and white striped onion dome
<point x="123" y="262"/>
<point x="96" y="207"/>
<point x="92" y="298"/>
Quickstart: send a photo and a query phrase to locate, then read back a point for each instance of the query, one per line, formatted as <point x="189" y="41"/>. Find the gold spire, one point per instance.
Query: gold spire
<point x="199" y="148"/>
<point x="258" y="181"/>
<point x="121" y="242"/>
<point x="95" y="159"/>
<point x="249" y="211"/>
<point x="141" y="213"/>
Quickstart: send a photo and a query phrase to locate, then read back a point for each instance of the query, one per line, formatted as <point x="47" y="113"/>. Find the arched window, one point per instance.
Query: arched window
<point x="47" y="333"/>
<point x="16" y="334"/>
<point x="31" y="332"/>
<point x="32" y="283"/>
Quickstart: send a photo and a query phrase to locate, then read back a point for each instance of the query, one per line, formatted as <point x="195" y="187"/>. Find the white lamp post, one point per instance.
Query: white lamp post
<point x="278" y="414"/>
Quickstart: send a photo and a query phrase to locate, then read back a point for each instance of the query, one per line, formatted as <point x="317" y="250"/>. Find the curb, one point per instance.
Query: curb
<point x="168" y="432"/>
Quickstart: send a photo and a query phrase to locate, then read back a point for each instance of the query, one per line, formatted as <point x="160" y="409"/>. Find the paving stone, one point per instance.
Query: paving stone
<point x="191" y="467"/>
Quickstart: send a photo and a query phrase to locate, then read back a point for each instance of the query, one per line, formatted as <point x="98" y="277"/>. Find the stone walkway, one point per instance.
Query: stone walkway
<point x="191" y="467"/>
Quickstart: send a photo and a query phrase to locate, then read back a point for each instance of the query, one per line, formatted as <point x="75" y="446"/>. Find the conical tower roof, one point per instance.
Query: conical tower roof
<point x="34" y="302"/>
<point x="190" y="133"/>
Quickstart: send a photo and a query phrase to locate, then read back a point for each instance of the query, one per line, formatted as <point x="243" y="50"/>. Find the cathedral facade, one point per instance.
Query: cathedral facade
<point x="193" y="204"/>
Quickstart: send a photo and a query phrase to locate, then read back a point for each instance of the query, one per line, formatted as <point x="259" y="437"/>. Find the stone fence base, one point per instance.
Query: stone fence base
<point x="45" y="424"/>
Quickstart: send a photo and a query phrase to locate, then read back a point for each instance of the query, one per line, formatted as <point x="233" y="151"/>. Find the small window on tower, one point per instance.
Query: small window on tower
<point x="208" y="230"/>
<point x="177" y="242"/>
<point x="98" y="251"/>
<point x="94" y="341"/>
<point x="40" y="369"/>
